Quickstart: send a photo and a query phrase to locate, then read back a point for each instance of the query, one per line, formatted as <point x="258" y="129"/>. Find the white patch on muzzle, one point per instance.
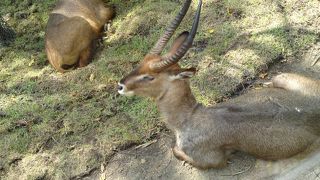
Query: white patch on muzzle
<point x="124" y="91"/>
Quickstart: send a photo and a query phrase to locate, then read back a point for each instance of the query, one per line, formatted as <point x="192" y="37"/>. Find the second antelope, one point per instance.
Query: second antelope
<point x="270" y="123"/>
<point x="72" y="29"/>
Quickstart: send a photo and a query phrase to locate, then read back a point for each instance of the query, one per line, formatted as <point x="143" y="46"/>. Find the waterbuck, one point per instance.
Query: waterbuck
<point x="72" y="29"/>
<point x="270" y="123"/>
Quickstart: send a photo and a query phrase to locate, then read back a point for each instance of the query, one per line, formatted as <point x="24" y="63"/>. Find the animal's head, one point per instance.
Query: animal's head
<point x="157" y="72"/>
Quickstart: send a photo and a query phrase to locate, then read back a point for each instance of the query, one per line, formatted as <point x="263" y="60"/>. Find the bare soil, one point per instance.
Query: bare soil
<point x="157" y="162"/>
<point x="76" y="126"/>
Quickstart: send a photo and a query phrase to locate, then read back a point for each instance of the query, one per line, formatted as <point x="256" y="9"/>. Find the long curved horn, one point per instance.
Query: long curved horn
<point x="159" y="46"/>
<point x="172" y="59"/>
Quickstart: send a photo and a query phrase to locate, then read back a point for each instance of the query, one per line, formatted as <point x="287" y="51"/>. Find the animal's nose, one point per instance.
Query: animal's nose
<point x="120" y="87"/>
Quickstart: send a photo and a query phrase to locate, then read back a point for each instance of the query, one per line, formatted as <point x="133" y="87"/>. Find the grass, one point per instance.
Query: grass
<point x="80" y="112"/>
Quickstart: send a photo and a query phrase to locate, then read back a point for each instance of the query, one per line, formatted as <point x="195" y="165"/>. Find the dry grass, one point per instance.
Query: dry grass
<point x="80" y="113"/>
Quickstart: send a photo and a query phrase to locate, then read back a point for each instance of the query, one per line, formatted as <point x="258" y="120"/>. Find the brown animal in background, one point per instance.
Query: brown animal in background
<point x="270" y="123"/>
<point x="72" y="29"/>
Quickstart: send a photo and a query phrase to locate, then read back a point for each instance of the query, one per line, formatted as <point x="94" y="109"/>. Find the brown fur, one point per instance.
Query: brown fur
<point x="72" y="28"/>
<point x="295" y="82"/>
<point x="271" y="123"/>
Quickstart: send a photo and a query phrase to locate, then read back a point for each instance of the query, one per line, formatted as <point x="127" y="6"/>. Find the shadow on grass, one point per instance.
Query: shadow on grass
<point x="233" y="57"/>
<point x="82" y="107"/>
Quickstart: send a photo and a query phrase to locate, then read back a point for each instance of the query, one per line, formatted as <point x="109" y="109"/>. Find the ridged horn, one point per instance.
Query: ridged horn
<point x="185" y="46"/>
<point x="159" y="46"/>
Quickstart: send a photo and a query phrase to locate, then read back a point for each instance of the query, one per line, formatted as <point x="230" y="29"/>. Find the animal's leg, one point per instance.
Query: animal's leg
<point x="283" y="81"/>
<point x="179" y="154"/>
<point x="297" y="83"/>
<point x="85" y="57"/>
<point x="202" y="160"/>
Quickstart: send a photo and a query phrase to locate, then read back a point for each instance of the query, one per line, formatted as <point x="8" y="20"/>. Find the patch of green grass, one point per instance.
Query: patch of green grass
<point x="17" y="142"/>
<point x="223" y="36"/>
<point x="81" y="109"/>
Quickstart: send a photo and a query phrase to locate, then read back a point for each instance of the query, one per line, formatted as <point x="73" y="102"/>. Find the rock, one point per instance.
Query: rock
<point x="2" y="114"/>
<point x="7" y="17"/>
<point x="21" y="15"/>
<point x="143" y="161"/>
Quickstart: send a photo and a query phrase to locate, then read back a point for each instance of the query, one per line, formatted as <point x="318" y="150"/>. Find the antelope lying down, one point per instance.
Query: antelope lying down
<point x="271" y="123"/>
<point x="72" y="28"/>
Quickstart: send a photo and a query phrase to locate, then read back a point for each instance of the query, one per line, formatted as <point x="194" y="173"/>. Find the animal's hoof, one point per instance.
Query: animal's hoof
<point x="267" y="84"/>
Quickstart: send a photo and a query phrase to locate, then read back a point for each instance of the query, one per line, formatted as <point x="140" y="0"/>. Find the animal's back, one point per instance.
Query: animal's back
<point x="73" y="27"/>
<point x="273" y="123"/>
<point x="93" y="11"/>
<point x="63" y="44"/>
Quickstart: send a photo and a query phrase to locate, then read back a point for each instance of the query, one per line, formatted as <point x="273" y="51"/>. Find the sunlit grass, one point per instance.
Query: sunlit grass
<point x="82" y="108"/>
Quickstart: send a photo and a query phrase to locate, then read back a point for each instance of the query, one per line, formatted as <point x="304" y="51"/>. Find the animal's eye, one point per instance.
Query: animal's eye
<point x="147" y="78"/>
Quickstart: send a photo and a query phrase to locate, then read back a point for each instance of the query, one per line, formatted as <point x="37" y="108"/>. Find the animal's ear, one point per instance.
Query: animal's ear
<point x="183" y="73"/>
<point x="178" y="42"/>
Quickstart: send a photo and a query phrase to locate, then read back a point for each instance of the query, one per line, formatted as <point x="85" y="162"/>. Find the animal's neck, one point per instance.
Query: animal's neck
<point x="176" y="104"/>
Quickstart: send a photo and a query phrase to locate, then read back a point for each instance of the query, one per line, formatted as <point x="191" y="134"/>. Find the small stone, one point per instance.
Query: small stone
<point x="91" y="78"/>
<point x="21" y="123"/>
<point x="102" y="167"/>
<point x="143" y="161"/>
<point x="7" y="17"/>
<point x="2" y="114"/>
